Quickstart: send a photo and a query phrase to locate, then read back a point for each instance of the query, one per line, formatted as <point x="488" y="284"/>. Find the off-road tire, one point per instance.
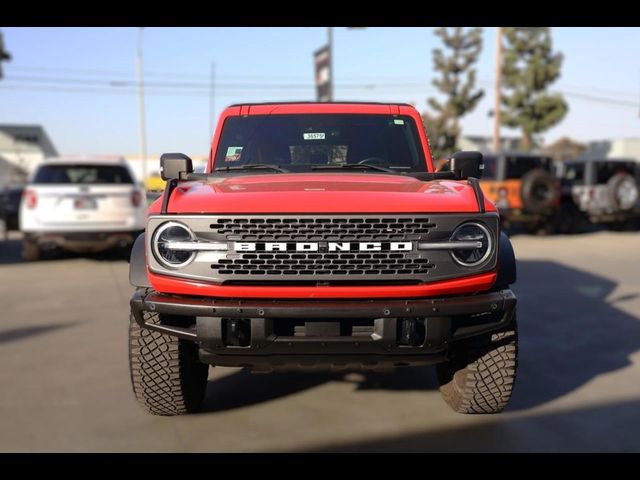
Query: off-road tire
<point x="30" y="250"/>
<point x="614" y="184"/>
<point x="537" y="178"/>
<point x="481" y="372"/>
<point x="166" y="374"/>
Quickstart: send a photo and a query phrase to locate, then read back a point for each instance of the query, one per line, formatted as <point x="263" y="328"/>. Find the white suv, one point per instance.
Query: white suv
<point x="81" y="204"/>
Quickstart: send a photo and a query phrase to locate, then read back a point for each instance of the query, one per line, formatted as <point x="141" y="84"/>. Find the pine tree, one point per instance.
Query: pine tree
<point x="4" y="55"/>
<point x="529" y="67"/>
<point x="457" y="82"/>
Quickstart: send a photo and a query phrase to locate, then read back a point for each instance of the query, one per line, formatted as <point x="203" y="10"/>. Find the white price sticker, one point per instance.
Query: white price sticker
<point x="313" y="136"/>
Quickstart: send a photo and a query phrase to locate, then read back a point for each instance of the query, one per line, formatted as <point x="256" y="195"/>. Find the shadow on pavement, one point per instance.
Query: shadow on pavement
<point x="18" y="334"/>
<point x="554" y="432"/>
<point x="10" y="253"/>
<point x="244" y="388"/>
<point x="569" y="334"/>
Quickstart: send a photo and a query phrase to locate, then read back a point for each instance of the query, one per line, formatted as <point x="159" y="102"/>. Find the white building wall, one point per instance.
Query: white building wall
<point x="626" y="147"/>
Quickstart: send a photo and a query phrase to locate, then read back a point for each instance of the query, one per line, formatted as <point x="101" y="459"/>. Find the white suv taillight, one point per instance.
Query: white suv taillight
<point x="136" y="198"/>
<point x="30" y="199"/>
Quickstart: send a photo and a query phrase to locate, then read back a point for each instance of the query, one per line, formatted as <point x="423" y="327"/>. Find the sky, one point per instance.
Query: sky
<point x="78" y="82"/>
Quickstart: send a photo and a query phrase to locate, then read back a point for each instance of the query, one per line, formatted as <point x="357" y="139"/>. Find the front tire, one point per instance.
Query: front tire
<point x="166" y="374"/>
<point x="481" y="372"/>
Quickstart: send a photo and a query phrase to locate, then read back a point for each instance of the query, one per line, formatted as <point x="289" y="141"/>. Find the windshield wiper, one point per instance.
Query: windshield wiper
<point x="354" y="166"/>
<point x="252" y="166"/>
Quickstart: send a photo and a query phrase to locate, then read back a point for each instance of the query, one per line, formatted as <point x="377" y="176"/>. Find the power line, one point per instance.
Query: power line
<point x="113" y="91"/>
<point x="401" y="82"/>
<point x="228" y="89"/>
<point x="204" y="77"/>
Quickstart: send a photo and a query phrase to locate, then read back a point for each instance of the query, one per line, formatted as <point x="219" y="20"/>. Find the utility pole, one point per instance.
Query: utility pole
<point x="330" y="44"/>
<point x="497" y="90"/>
<point x="212" y="100"/>
<point x="143" y="134"/>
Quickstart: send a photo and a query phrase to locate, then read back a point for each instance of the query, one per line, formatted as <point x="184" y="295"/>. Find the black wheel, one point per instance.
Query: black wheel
<point x="481" y="372"/>
<point x="30" y="250"/>
<point x="166" y="374"/>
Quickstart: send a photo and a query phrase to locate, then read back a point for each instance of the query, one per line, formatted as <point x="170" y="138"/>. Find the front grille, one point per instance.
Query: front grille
<point x="354" y="229"/>
<point x="383" y="263"/>
<point x="318" y="229"/>
<point x="252" y="259"/>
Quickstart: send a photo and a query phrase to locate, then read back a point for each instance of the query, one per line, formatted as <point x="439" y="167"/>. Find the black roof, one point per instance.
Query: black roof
<point x="307" y="102"/>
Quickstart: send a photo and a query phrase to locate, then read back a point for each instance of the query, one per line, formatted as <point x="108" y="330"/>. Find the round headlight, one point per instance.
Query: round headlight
<point x="470" y="256"/>
<point x="164" y="235"/>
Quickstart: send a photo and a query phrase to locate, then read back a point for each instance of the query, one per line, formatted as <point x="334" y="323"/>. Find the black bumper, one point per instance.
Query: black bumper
<point x="278" y="333"/>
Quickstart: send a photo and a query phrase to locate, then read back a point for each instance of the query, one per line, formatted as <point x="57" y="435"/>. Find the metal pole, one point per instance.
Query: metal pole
<point x="330" y="43"/>
<point x="143" y="139"/>
<point x="498" y="89"/>
<point x="212" y="99"/>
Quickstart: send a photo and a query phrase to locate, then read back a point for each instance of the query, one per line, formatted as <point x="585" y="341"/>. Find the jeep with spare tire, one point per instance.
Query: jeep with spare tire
<point x="523" y="188"/>
<point x="320" y="237"/>
<point x="605" y="191"/>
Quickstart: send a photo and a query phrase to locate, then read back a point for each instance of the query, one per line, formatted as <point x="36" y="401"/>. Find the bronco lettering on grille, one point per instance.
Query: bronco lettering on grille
<point x="323" y="246"/>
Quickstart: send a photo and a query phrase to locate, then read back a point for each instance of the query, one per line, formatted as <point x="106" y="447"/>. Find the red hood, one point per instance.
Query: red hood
<point x="323" y="193"/>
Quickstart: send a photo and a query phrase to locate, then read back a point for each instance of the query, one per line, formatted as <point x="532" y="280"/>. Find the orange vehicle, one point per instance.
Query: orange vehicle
<point x="523" y="188"/>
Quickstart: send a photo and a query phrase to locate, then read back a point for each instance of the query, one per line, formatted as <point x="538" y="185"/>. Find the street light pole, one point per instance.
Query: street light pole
<point x="143" y="139"/>
<point x="212" y="99"/>
<point x="497" y="88"/>
<point x="330" y="44"/>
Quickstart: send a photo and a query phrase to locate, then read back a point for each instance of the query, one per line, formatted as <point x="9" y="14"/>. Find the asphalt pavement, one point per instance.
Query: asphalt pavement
<point x="65" y="380"/>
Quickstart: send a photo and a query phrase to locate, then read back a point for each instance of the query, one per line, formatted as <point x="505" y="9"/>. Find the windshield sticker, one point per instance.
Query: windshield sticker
<point x="313" y="136"/>
<point x="233" y="154"/>
<point x="398" y="121"/>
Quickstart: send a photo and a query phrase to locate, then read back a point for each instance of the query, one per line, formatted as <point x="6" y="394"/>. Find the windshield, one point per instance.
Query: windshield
<point x="82" y="174"/>
<point x="298" y="143"/>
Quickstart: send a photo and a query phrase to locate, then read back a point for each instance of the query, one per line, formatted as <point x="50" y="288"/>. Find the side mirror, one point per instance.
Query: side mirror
<point x="467" y="164"/>
<point x="175" y="165"/>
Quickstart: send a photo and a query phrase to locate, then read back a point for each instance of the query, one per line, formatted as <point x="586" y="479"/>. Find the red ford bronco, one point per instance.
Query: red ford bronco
<point x="320" y="236"/>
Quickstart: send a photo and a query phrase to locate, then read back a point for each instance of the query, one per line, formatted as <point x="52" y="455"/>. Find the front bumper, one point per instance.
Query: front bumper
<point x="267" y="334"/>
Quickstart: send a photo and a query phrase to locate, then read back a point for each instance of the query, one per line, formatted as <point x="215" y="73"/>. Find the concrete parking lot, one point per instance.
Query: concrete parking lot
<point x="65" y="381"/>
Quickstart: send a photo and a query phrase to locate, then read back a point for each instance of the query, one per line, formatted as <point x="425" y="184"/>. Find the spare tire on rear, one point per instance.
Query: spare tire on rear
<point x="623" y="191"/>
<point x="538" y="190"/>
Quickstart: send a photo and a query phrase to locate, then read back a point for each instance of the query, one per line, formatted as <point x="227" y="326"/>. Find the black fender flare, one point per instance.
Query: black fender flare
<point x="507" y="274"/>
<point x="138" y="264"/>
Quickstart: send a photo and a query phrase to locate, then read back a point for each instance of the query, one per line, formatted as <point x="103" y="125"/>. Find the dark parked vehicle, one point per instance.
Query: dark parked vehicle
<point x="523" y="188"/>
<point x="600" y="191"/>
<point x="10" y="206"/>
